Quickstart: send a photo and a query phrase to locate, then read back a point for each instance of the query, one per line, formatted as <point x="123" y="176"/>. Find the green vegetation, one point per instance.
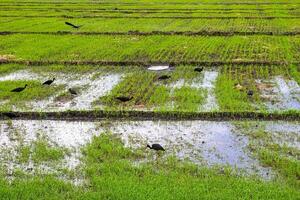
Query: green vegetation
<point x="111" y="174"/>
<point x="45" y="24"/>
<point x="243" y="41"/>
<point x="34" y="91"/>
<point x="43" y="152"/>
<point x="234" y="82"/>
<point x="280" y="157"/>
<point x="149" y="92"/>
<point x="154" y="48"/>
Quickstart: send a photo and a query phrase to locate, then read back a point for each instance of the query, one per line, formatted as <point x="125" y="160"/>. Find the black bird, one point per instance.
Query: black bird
<point x="124" y="99"/>
<point x="164" y="77"/>
<point x="156" y="147"/>
<point x="10" y="115"/>
<point x="49" y="82"/>
<point x="19" y="89"/>
<point x="74" y="26"/>
<point x="198" y="69"/>
<point x="250" y="93"/>
<point x="73" y="92"/>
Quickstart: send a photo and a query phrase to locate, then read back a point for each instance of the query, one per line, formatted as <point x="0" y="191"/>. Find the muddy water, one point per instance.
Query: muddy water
<point x="202" y="142"/>
<point x="89" y="89"/>
<point x="95" y="89"/>
<point x="280" y="93"/>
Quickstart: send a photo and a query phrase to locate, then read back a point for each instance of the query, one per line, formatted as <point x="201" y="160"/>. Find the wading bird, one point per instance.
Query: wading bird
<point x="198" y="69"/>
<point x="74" y="26"/>
<point x="250" y="93"/>
<point x="73" y="92"/>
<point x="124" y="99"/>
<point x="19" y="89"/>
<point x="164" y="77"/>
<point x="156" y="147"/>
<point x="49" y="82"/>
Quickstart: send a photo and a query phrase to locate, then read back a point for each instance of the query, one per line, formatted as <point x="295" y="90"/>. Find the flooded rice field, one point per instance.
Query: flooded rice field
<point x="206" y="83"/>
<point x="277" y="93"/>
<point x="202" y="142"/>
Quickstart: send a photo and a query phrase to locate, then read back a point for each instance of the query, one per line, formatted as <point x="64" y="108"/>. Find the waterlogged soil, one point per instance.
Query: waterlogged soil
<point x="202" y="142"/>
<point x="279" y="93"/>
<point x="88" y="88"/>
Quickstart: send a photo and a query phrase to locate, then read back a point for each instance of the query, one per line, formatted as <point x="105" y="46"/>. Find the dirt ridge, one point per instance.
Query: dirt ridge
<point x="148" y="115"/>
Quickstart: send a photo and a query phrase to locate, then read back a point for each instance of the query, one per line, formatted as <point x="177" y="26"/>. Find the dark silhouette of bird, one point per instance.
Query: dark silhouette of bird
<point x="74" y="26"/>
<point x="72" y="91"/>
<point x="156" y="147"/>
<point x="49" y="82"/>
<point x="198" y="69"/>
<point x="19" y="89"/>
<point x="10" y="115"/>
<point x="250" y="92"/>
<point x="124" y="99"/>
<point x="164" y="77"/>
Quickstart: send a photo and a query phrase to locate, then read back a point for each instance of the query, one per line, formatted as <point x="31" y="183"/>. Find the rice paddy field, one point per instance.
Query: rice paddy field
<point x="215" y="82"/>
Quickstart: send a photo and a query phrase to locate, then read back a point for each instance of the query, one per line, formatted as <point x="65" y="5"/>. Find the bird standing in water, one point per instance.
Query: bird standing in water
<point x="164" y="77"/>
<point x="49" y="82"/>
<point x="156" y="147"/>
<point x="72" y="91"/>
<point x="250" y="93"/>
<point x="198" y="69"/>
<point x="19" y="89"/>
<point x="123" y="98"/>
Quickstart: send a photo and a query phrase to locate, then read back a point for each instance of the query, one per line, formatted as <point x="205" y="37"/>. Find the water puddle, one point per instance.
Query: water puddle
<point x="285" y="133"/>
<point x="158" y="67"/>
<point x="202" y="142"/>
<point x="279" y="93"/>
<point x="89" y="89"/>
<point x="94" y="90"/>
<point x="21" y="75"/>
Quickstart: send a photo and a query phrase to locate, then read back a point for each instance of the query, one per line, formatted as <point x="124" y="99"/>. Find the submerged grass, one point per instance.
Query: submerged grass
<point x="110" y="174"/>
<point x="234" y="82"/>
<point x="149" y="92"/>
<point x="42" y="151"/>
<point x="281" y="158"/>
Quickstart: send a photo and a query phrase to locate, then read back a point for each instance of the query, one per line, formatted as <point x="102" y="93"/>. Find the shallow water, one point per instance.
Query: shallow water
<point x="203" y="142"/>
<point x="90" y="89"/>
<point x="281" y="94"/>
<point x="285" y="133"/>
<point x="158" y="67"/>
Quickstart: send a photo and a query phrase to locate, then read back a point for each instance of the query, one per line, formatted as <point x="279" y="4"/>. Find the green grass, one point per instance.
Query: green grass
<point x="42" y="151"/>
<point x="231" y="98"/>
<point x="149" y="92"/>
<point x="111" y="175"/>
<point x="281" y="158"/>
<point x="24" y="154"/>
<point x="148" y="25"/>
<point x="34" y="92"/>
<point x="188" y="99"/>
<point x="156" y="48"/>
